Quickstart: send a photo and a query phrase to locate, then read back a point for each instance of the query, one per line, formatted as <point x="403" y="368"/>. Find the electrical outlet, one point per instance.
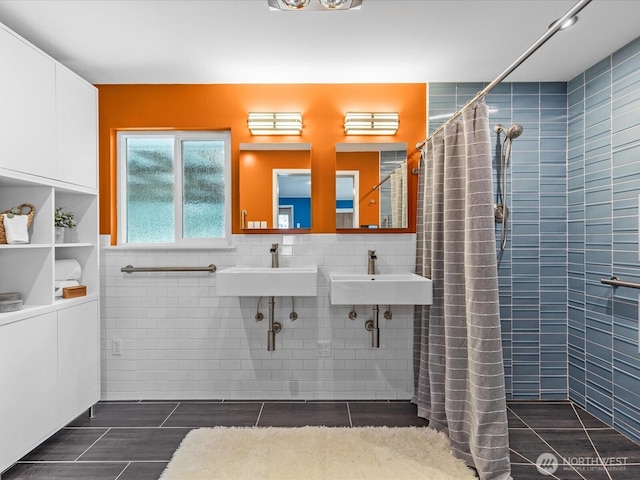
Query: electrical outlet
<point x="116" y="346"/>
<point x="323" y="349"/>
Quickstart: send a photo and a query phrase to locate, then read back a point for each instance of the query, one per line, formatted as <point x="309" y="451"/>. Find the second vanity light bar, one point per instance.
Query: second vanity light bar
<point x="275" y="123"/>
<point x="367" y="123"/>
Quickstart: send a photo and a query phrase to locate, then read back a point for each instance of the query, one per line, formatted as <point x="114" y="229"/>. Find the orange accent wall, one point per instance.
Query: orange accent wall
<point x="368" y="163"/>
<point x="225" y="107"/>
<point x="256" y="185"/>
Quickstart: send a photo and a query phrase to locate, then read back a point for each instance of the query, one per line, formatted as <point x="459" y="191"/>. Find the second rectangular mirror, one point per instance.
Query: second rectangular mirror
<point x="371" y="185"/>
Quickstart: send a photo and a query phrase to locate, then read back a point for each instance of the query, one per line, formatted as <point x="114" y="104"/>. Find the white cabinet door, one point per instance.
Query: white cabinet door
<point x="28" y="378"/>
<point x="27" y="115"/>
<point x="77" y="124"/>
<point x="78" y="360"/>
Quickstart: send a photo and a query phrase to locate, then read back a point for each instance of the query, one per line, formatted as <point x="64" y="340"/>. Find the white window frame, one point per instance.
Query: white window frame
<point x="178" y="136"/>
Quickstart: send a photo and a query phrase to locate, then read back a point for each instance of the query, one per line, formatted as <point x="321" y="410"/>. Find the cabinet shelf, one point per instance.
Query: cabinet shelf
<point x="67" y="302"/>
<point x="26" y="312"/>
<point x="22" y="246"/>
<point x="31" y="310"/>
<point x="74" y="245"/>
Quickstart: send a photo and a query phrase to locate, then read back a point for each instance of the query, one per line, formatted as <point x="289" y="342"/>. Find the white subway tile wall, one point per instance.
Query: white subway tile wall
<point x="182" y="341"/>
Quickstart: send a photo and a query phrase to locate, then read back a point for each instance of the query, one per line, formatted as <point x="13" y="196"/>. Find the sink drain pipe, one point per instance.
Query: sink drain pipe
<point x="372" y="326"/>
<point x="274" y="327"/>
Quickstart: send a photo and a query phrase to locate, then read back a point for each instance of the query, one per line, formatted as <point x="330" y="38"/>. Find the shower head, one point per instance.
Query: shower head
<point x="514" y="131"/>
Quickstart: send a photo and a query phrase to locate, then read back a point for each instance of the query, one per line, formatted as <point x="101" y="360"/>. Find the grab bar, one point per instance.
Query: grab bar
<point x="131" y="269"/>
<point x="616" y="282"/>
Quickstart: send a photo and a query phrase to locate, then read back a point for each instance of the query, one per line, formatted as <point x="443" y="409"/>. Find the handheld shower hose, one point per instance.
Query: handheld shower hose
<point x="501" y="211"/>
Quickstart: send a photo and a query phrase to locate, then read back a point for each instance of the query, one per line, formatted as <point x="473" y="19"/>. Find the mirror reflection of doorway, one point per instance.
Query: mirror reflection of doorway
<point x="291" y="198"/>
<point x="285" y="216"/>
<point x="347" y="199"/>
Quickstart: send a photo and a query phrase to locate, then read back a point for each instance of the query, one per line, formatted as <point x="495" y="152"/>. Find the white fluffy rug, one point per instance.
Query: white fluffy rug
<point x="310" y="453"/>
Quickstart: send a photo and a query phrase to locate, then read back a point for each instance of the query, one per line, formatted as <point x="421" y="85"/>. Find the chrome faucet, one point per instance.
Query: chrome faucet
<point x="274" y="255"/>
<point x="372" y="262"/>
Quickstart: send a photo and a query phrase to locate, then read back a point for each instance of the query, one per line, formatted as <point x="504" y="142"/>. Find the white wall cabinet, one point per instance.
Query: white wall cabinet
<point x="77" y="128"/>
<point x="28" y="406"/>
<point x="78" y="360"/>
<point x="49" y="119"/>
<point x="50" y="373"/>
<point x="28" y="116"/>
<point x="49" y="350"/>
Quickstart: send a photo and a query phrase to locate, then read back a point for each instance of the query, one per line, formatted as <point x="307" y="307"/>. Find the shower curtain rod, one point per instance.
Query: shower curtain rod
<point x="553" y="29"/>
<point x="375" y="187"/>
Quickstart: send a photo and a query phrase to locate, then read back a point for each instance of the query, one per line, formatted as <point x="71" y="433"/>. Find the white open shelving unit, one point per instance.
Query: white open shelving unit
<point x="32" y="265"/>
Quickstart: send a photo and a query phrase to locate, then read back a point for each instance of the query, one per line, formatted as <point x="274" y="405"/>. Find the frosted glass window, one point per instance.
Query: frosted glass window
<point x="174" y="188"/>
<point x="203" y="189"/>
<point x="150" y="181"/>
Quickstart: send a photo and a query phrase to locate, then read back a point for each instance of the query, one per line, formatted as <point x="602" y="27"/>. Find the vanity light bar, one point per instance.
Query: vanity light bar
<point x="371" y="123"/>
<point x="275" y="123"/>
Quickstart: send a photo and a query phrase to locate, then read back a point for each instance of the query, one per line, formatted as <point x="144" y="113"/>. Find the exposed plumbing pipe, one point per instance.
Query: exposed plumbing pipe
<point x="274" y="327"/>
<point x="293" y="316"/>
<point x="372" y="326"/>
<point x="259" y="316"/>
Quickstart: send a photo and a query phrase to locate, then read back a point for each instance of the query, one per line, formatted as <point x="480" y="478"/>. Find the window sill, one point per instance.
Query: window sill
<point x="169" y="246"/>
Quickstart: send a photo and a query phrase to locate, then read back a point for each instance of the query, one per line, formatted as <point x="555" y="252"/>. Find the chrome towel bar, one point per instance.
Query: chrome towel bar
<point x="616" y="282"/>
<point x="131" y="269"/>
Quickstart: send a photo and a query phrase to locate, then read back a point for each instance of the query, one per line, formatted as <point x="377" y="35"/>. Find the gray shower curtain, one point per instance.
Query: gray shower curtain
<point x="458" y="369"/>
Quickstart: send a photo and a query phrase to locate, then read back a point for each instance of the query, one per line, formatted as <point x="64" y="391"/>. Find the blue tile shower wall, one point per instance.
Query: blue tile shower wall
<point x="533" y="267"/>
<point x="575" y="183"/>
<point x="603" y="195"/>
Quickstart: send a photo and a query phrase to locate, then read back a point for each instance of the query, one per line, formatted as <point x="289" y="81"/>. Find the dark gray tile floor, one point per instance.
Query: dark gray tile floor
<point x="135" y="440"/>
<point x="575" y="444"/>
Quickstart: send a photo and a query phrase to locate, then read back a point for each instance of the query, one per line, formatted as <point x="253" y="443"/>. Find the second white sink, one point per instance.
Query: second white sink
<point x="382" y="289"/>
<point x="268" y="282"/>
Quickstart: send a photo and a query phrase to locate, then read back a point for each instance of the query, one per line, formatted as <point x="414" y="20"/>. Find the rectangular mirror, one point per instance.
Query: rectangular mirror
<point x="371" y="185"/>
<point x="275" y="186"/>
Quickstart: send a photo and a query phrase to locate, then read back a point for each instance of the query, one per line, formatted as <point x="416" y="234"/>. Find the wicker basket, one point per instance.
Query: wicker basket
<point x="32" y="211"/>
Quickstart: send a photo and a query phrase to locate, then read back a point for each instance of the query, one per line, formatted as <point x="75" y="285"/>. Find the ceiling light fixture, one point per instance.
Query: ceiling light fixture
<point x="296" y="4"/>
<point x="333" y="4"/>
<point x="366" y="123"/>
<point x="314" y="4"/>
<point x="275" y="123"/>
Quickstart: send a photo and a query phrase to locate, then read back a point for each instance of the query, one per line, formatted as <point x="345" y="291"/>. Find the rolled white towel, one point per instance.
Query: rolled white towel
<point x="15" y="228"/>
<point x="59" y="286"/>
<point x="68" y="270"/>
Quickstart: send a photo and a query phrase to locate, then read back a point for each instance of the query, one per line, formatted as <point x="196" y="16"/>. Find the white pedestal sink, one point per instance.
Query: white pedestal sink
<point x="268" y="282"/>
<point x="381" y="289"/>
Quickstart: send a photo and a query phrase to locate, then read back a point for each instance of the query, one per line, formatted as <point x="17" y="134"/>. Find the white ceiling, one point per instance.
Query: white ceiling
<point x="242" y="41"/>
